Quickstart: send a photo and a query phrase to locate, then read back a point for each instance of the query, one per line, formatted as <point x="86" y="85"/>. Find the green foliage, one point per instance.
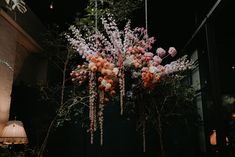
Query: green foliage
<point x="171" y="98"/>
<point x="120" y="9"/>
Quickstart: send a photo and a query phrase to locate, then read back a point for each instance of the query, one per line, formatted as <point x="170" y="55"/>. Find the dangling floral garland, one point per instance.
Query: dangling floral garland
<point x="108" y="57"/>
<point x="92" y="106"/>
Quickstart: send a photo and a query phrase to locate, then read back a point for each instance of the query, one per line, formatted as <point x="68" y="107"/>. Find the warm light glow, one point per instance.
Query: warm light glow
<point x="233" y="115"/>
<point x="213" y="138"/>
<point x="227" y="141"/>
<point x="4" y="101"/>
<point x="3" y="118"/>
<point x="14" y="133"/>
<point x="51" y="5"/>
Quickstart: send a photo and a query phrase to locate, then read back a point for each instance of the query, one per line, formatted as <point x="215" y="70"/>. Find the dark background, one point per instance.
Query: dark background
<point x="172" y="23"/>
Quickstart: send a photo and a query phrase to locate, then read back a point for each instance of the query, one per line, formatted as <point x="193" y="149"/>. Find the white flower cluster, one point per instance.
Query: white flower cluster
<point x="181" y="64"/>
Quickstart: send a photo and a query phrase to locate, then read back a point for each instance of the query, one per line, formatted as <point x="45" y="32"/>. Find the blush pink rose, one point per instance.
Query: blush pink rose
<point x="172" y="51"/>
<point x="161" y="52"/>
<point x="157" y="60"/>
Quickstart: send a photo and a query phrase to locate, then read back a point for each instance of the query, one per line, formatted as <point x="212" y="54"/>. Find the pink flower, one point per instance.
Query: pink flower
<point x="141" y="50"/>
<point x="157" y="60"/>
<point x="172" y="51"/>
<point x="148" y="56"/>
<point x="161" y="52"/>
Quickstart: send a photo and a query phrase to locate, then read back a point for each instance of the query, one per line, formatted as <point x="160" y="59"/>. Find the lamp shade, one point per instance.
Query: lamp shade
<point x="14" y="133"/>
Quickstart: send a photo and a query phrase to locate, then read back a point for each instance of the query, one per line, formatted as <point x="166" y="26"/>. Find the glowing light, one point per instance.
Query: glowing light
<point x="14" y="133"/>
<point x="51" y="5"/>
<point x="213" y="140"/>
<point x="233" y="115"/>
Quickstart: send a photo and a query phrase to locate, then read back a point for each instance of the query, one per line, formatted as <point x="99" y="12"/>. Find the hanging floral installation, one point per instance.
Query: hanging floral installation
<point x="111" y="57"/>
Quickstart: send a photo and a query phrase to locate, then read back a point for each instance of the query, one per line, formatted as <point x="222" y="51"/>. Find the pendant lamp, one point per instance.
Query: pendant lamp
<point x="14" y="133"/>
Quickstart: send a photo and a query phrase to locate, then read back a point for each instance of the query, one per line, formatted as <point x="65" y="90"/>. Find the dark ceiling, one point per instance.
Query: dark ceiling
<point x="171" y="22"/>
<point x="62" y="12"/>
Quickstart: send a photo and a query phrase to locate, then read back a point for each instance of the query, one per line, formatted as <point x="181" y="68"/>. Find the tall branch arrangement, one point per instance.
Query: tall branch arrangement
<point x="112" y="57"/>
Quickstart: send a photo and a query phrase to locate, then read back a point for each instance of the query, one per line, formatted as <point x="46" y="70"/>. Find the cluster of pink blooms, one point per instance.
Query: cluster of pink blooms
<point x="81" y="74"/>
<point x="148" y="64"/>
<point x="109" y="55"/>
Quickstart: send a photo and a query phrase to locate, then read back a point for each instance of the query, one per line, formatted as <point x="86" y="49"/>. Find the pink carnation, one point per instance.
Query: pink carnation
<point x="157" y="60"/>
<point x="172" y="51"/>
<point x="161" y="52"/>
<point x="148" y="56"/>
<point x="141" y="49"/>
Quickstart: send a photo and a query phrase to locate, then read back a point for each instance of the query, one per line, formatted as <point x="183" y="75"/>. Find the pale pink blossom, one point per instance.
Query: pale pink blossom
<point x="148" y="56"/>
<point x="172" y="51"/>
<point x="141" y="49"/>
<point x="161" y="52"/>
<point x="157" y="60"/>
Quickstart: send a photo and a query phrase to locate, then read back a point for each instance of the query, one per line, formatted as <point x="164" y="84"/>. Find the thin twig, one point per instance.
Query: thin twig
<point x="43" y="146"/>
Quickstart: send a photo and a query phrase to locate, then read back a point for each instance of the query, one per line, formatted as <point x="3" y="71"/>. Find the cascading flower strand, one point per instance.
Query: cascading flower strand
<point x="122" y="90"/>
<point x="101" y="116"/>
<point x="144" y="136"/>
<point x="92" y="106"/>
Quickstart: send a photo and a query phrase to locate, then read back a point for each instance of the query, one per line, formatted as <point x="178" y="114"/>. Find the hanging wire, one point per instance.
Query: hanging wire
<point x="146" y="27"/>
<point x="146" y="15"/>
<point x="96" y="16"/>
<point x="202" y="24"/>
